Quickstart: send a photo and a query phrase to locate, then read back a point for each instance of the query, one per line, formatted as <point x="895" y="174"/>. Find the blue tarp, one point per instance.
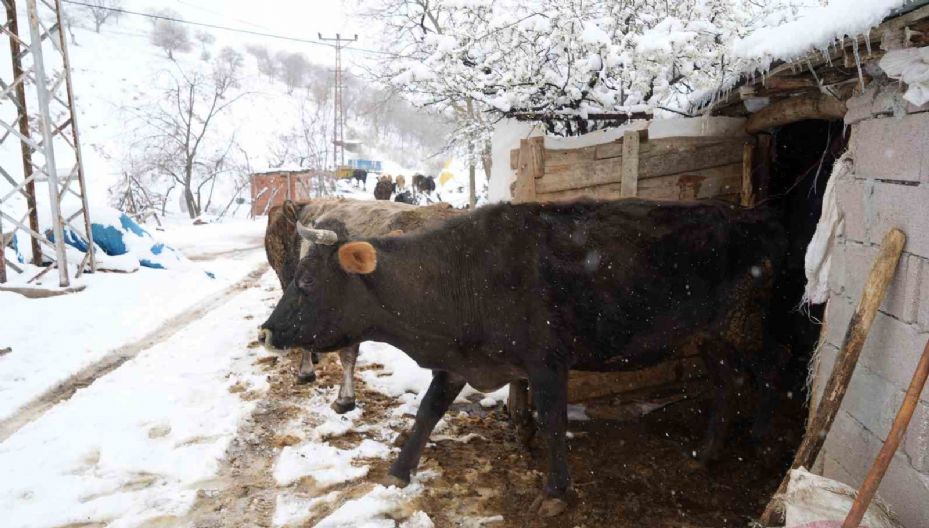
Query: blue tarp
<point x="114" y="240"/>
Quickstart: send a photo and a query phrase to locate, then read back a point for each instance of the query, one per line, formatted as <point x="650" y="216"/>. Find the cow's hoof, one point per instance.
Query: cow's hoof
<point x="303" y="379"/>
<point x="343" y="406"/>
<point x="393" y="480"/>
<point x="525" y="434"/>
<point x="548" y="506"/>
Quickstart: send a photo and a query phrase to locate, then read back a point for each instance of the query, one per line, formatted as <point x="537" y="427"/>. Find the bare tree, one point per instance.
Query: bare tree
<point x="293" y="69"/>
<point x="102" y="10"/>
<point x="180" y="140"/>
<point x="169" y="34"/>
<point x="70" y="22"/>
<point x="266" y="64"/>
<point x="206" y="39"/>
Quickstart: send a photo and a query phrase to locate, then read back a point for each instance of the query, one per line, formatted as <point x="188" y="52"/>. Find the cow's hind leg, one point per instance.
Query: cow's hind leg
<point x="518" y="407"/>
<point x="306" y="373"/>
<point x="441" y="393"/>
<point x="726" y="381"/>
<point x="550" y="395"/>
<point x="346" y="399"/>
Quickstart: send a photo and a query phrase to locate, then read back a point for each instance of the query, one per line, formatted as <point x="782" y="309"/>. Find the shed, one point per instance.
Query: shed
<point x="868" y="100"/>
<point x="274" y="186"/>
<point x="850" y="115"/>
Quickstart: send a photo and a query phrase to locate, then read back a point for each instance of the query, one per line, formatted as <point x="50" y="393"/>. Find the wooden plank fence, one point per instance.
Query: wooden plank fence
<point x="676" y="168"/>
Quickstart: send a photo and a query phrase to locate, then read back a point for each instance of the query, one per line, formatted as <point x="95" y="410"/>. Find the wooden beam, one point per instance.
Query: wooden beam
<point x="762" y="167"/>
<point x="794" y="109"/>
<point x="42" y="293"/>
<point x="551" y="116"/>
<point x="879" y="279"/>
<point x="747" y="198"/>
<point x="630" y="179"/>
<point x="897" y="430"/>
<point x="582" y="175"/>
<point x="531" y="166"/>
<point x="661" y="157"/>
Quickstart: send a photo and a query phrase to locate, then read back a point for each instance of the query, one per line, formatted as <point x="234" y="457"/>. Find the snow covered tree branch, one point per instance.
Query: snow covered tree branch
<point x="558" y="61"/>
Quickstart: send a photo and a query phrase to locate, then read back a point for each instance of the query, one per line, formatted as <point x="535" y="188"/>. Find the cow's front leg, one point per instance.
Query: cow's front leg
<point x="306" y="372"/>
<point x="441" y="393"/>
<point x="346" y="399"/>
<point x="518" y="407"/>
<point x="550" y="395"/>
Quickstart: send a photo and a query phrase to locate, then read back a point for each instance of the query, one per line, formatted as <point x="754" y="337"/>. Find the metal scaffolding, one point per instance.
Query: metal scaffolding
<point x="37" y="103"/>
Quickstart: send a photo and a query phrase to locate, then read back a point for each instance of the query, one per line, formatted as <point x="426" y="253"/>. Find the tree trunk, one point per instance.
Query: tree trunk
<point x="192" y="210"/>
<point x="487" y="159"/>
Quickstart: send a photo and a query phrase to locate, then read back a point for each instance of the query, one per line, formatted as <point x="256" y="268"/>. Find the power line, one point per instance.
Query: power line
<point x="226" y="28"/>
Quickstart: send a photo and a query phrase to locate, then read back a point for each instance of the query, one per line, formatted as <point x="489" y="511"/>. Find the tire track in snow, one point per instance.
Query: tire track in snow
<point x="115" y="358"/>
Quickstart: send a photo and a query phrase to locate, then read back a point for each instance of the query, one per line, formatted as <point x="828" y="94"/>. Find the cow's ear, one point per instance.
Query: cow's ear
<point x="290" y="210"/>
<point x="358" y="257"/>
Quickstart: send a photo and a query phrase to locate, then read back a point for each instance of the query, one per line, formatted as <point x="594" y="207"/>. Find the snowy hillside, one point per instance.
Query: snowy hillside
<point x="123" y="82"/>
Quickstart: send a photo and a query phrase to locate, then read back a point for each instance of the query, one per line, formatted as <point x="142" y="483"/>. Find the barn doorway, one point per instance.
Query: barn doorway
<point x="643" y="468"/>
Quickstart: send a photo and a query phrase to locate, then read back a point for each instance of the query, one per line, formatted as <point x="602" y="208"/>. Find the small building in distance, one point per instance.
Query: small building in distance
<point x="272" y="187"/>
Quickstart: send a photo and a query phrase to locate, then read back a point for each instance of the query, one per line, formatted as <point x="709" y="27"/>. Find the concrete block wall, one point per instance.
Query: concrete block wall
<point x="889" y="187"/>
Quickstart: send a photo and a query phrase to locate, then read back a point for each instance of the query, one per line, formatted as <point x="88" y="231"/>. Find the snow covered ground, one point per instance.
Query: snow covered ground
<point x="53" y="338"/>
<point x="146" y="443"/>
<point x="135" y="445"/>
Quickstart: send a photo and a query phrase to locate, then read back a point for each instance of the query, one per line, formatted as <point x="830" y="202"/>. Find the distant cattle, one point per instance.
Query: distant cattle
<point x="384" y="189"/>
<point x="423" y="184"/>
<point x="406" y="197"/>
<point x="360" y="176"/>
<point x="351" y="219"/>
<point x="401" y="182"/>
<point x="509" y="293"/>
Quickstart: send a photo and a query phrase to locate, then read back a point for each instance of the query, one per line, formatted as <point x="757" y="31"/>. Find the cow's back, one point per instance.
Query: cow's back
<point x="349" y="218"/>
<point x="641" y="277"/>
<point x="622" y="281"/>
<point x="366" y="219"/>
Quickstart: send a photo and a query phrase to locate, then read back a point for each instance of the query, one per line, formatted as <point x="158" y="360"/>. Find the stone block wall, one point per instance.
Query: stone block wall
<point x="889" y="187"/>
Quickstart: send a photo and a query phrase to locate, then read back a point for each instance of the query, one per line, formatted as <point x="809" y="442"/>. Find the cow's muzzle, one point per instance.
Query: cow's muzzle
<point x="265" y="338"/>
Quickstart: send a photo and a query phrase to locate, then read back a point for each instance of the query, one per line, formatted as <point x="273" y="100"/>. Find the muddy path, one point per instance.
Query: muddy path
<point x="112" y="360"/>
<point x="626" y="474"/>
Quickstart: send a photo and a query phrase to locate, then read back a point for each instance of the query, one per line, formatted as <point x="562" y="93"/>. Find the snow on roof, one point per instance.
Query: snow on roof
<point x="283" y="169"/>
<point x="815" y="28"/>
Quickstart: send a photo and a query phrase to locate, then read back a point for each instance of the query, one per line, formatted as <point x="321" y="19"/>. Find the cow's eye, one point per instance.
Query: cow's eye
<point x="305" y="282"/>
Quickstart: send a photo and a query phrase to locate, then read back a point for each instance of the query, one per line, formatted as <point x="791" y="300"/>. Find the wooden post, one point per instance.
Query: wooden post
<point x="629" y="186"/>
<point x="876" y="473"/>
<point x="530" y="165"/>
<point x="747" y="198"/>
<point x="762" y="167"/>
<point x="882" y="272"/>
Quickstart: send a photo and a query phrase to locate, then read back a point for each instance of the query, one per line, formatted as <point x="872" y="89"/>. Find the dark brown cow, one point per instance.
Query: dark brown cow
<point x="350" y="219"/>
<point x="527" y="292"/>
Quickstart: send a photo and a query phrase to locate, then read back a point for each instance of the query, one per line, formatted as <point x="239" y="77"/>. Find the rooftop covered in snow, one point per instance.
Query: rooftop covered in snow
<point x="826" y="52"/>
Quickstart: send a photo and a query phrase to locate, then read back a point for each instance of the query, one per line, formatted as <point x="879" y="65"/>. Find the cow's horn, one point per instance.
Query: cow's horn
<point x="317" y="236"/>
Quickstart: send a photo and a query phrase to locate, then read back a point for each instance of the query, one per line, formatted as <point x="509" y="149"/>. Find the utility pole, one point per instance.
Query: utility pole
<point x="50" y="150"/>
<point x="338" y="110"/>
